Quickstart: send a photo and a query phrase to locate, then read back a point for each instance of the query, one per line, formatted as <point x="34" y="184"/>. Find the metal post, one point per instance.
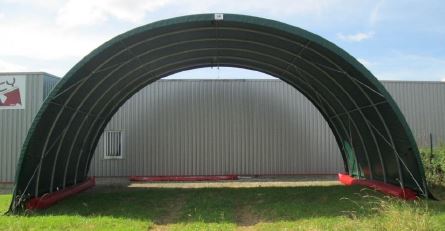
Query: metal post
<point x="431" y="149"/>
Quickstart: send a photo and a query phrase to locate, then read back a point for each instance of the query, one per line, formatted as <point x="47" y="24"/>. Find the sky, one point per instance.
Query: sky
<point x="395" y="40"/>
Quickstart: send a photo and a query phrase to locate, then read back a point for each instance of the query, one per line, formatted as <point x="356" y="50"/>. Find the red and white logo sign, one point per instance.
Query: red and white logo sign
<point x="12" y="92"/>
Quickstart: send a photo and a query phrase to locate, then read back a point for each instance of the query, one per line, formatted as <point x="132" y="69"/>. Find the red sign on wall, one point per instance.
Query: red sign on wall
<point x="12" y="92"/>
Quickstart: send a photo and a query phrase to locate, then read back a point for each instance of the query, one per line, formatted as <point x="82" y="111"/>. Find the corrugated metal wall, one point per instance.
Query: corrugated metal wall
<point x="14" y="123"/>
<point x="206" y="127"/>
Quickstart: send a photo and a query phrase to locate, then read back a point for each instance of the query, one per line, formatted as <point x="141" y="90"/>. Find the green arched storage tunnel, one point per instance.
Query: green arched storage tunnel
<point x="374" y="138"/>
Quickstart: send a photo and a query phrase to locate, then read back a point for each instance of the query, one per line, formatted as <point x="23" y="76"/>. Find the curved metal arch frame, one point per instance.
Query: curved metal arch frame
<point x="234" y="19"/>
<point x="127" y="48"/>
<point x="143" y="65"/>
<point x="290" y="64"/>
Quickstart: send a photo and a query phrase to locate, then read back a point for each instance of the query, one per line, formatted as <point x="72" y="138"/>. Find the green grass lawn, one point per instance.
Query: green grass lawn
<point x="292" y="208"/>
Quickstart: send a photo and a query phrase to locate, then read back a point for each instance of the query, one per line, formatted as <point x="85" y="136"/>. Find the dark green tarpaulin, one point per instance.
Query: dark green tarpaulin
<point x="374" y="138"/>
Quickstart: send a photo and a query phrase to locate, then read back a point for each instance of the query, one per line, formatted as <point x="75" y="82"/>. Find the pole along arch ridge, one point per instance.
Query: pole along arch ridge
<point x="374" y="138"/>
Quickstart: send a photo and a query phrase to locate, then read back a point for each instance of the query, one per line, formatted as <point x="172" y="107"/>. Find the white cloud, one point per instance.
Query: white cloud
<point x="6" y="66"/>
<point x="45" y="41"/>
<point x="443" y="80"/>
<point x="358" y="37"/>
<point x="35" y="3"/>
<point x="375" y="13"/>
<point x="88" y="12"/>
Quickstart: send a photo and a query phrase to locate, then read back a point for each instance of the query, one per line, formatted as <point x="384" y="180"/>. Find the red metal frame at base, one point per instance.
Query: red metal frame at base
<point x="49" y="199"/>
<point x="389" y="189"/>
<point x="182" y="178"/>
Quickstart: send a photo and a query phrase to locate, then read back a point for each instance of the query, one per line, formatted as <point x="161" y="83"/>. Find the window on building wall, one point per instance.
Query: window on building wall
<point x="113" y="141"/>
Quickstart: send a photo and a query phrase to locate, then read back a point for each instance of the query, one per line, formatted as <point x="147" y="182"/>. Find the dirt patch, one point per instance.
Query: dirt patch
<point x="245" y="218"/>
<point x="173" y="214"/>
<point x="231" y="184"/>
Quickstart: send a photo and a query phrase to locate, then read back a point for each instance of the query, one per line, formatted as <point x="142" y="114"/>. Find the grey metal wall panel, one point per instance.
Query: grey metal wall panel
<point x="423" y="104"/>
<point x="49" y="82"/>
<point x="207" y="127"/>
<point x="14" y="125"/>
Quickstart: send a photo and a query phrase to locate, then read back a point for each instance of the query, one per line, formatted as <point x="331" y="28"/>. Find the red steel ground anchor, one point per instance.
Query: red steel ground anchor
<point x="50" y="199"/>
<point x="389" y="189"/>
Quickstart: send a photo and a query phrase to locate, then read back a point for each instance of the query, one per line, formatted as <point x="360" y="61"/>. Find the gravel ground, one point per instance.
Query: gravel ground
<point x="243" y="182"/>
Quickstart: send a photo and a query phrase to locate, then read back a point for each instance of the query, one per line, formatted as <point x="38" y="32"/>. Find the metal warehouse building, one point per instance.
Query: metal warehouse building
<point x="213" y="127"/>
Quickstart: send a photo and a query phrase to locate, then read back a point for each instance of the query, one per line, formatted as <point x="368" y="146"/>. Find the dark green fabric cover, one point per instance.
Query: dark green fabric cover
<point x="362" y="115"/>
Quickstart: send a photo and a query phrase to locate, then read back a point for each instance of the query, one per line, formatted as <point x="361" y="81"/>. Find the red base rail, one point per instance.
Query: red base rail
<point x="405" y="193"/>
<point x="49" y="199"/>
<point x="183" y="178"/>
